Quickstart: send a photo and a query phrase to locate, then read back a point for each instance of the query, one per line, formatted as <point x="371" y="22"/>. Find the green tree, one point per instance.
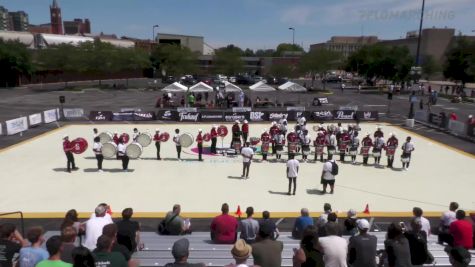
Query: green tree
<point x="248" y="53"/>
<point x="460" y="62"/>
<point x="284" y="70"/>
<point x="429" y="66"/>
<point x="284" y="47"/>
<point x="174" y="60"/>
<point x="228" y="60"/>
<point x="319" y="61"/>
<point x="265" y="53"/>
<point x="15" y="61"/>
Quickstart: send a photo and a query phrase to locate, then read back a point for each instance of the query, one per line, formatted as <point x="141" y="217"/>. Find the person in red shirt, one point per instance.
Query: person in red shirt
<point x="199" y="140"/>
<point x="344" y="141"/>
<point x="391" y="146"/>
<point x="224" y="227"/>
<point x="274" y="130"/>
<point x="245" y="131"/>
<point x="319" y="145"/>
<point x="453" y="116"/>
<point x="236" y="132"/>
<point x="116" y="138"/>
<point x="214" y="138"/>
<point x="156" y="138"/>
<point x="68" y="148"/>
<point x="265" y="139"/>
<point x="461" y="231"/>
<point x="366" y="143"/>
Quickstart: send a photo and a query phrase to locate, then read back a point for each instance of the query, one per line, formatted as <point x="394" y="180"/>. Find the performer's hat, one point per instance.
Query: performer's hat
<point x="236" y="121"/>
<point x="391" y="134"/>
<point x="65" y="136"/>
<point x="368" y="134"/>
<point x="157" y="130"/>
<point x="215" y="126"/>
<point x="245" y="121"/>
<point x="115" y="133"/>
<point x="264" y="130"/>
<point x="363" y="224"/>
<point x="199" y="130"/>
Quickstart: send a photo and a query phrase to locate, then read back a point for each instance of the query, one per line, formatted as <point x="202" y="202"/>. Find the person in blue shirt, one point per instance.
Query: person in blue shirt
<point x="30" y="256"/>
<point x="301" y="223"/>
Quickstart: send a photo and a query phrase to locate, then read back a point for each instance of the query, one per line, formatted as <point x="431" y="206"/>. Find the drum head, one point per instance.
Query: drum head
<point x="109" y="150"/>
<point x="207" y="137"/>
<point x="164" y="136"/>
<point x="222" y="131"/>
<point x="105" y="137"/>
<point x="125" y="137"/>
<point x="134" y="150"/>
<point x="254" y="140"/>
<point x="79" y="145"/>
<point x="186" y="140"/>
<point x="144" y="139"/>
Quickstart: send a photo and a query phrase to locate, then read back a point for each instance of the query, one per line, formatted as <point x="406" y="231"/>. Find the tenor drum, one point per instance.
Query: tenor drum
<point x="186" y="140"/>
<point x="222" y="131"/>
<point x="237" y="145"/>
<point x="125" y="137"/>
<point x="164" y="137"/>
<point x="134" y="150"/>
<point x="331" y="151"/>
<point x="376" y="153"/>
<point x="79" y="145"/>
<point x="390" y="151"/>
<point x="207" y="137"/>
<point x="106" y="137"/>
<point x="342" y="147"/>
<point x="254" y="140"/>
<point x="319" y="150"/>
<point x="292" y="147"/>
<point x="265" y="147"/>
<point x="365" y="151"/>
<point x="144" y="139"/>
<point x="109" y="150"/>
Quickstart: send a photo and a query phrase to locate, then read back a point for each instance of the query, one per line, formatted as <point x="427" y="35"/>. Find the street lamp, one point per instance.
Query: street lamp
<point x="420" y="34"/>
<point x="153" y="32"/>
<point x="293" y="35"/>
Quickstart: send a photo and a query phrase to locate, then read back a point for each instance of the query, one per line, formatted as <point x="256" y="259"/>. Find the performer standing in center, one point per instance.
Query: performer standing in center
<point x="391" y="147"/>
<point x="176" y="139"/>
<point x="199" y="141"/>
<point x="68" y="148"/>
<point x="214" y="138"/>
<point x="407" y="149"/>
<point x="122" y="155"/>
<point x="319" y="145"/>
<point x="265" y="138"/>
<point x="366" y="143"/>
<point x="157" y="140"/>
<point x="236" y="134"/>
<point x="245" y="131"/>
<point x="97" y="148"/>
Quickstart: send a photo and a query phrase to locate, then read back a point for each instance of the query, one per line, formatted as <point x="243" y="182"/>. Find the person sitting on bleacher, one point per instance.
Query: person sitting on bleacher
<point x="448" y="217"/>
<point x="268" y="221"/>
<point x="301" y="223"/>
<point x="461" y="231"/>
<point x="128" y="233"/>
<point x="181" y="251"/>
<point x="362" y="247"/>
<point x="224" y="227"/>
<point x="241" y="252"/>
<point x="458" y="257"/>
<point x="417" y="238"/>
<point x="249" y="227"/>
<point x="104" y="255"/>
<point x="267" y="252"/>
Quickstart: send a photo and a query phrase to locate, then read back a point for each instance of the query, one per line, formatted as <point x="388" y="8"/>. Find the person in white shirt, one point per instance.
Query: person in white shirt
<point x="94" y="227"/>
<point x="407" y="149"/>
<point x="332" y="142"/>
<point x="446" y="219"/>
<point x="334" y="248"/>
<point x="417" y="212"/>
<point x="377" y="149"/>
<point x="306" y="141"/>
<point x="247" y="154"/>
<point x="97" y="148"/>
<point x="122" y="155"/>
<point x="176" y="140"/>
<point x="292" y="173"/>
<point x="327" y="177"/>
<point x="95" y="133"/>
<point x="135" y="134"/>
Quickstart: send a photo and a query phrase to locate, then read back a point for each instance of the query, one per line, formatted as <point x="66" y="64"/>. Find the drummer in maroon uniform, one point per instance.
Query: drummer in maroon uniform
<point x="116" y="138"/>
<point x="378" y="133"/>
<point x="391" y="146"/>
<point x="214" y="139"/>
<point x="157" y="140"/>
<point x="245" y="131"/>
<point x="319" y="145"/>
<point x="236" y="134"/>
<point x="199" y="140"/>
<point x="274" y="129"/>
<point x="343" y="144"/>
<point x="366" y="144"/>
<point x="68" y="148"/>
<point x="265" y="139"/>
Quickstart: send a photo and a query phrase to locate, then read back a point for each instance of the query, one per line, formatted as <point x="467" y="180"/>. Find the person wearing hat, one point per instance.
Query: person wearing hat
<point x="68" y="148"/>
<point x="266" y="251"/>
<point x="362" y="247"/>
<point x="319" y="144"/>
<point x="377" y="149"/>
<point x="241" y="251"/>
<point x="407" y="149"/>
<point x="378" y="133"/>
<point x="354" y="144"/>
<point x="350" y="223"/>
<point x="236" y="134"/>
<point x="180" y="252"/>
<point x="157" y="140"/>
<point x="214" y="138"/>
<point x="273" y="130"/>
<point x="245" y="131"/>
<point x="391" y="146"/>
<point x="331" y="142"/>
<point x="199" y="141"/>
<point x="366" y="144"/>
<point x="265" y="139"/>
<point x="94" y="226"/>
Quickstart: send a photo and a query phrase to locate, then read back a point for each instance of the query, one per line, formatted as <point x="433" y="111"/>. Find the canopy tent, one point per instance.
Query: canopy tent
<point x="230" y="87"/>
<point x="175" y="88"/>
<point x="261" y="87"/>
<point x="292" y="87"/>
<point x="200" y="87"/>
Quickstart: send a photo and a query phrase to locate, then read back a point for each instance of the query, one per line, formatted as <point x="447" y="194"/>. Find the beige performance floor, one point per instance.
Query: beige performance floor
<point x="33" y="179"/>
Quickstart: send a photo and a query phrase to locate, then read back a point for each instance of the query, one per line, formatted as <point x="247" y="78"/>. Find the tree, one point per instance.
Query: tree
<point x="429" y="66"/>
<point x="284" y="47"/>
<point x="174" y="60"/>
<point x="228" y="60"/>
<point x="15" y="61"/>
<point x="283" y="70"/>
<point x="460" y="62"/>
<point x="319" y="61"/>
<point x="265" y="53"/>
<point x="248" y="53"/>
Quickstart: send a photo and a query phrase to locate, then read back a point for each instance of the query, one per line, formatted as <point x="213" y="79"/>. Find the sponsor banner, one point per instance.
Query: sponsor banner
<point x="35" y="119"/>
<point x="323" y="100"/>
<point x="189" y="116"/>
<point x="293" y="115"/>
<point x="211" y="116"/>
<point x="242" y="109"/>
<point x="100" y="115"/>
<point x="367" y="115"/>
<point x="295" y="108"/>
<point x="233" y="116"/>
<point x="275" y="116"/>
<point x="73" y="112"/>
<point x="1" y="129"/>
<point x="144" y="116"/>
<point x="457" y="127"/>
<point x="18" y="125"/>
<point x="435" y="119"/>
<point x="187" y="109"/>
<point x="321" y="115"/>
<point x="167" y="115"/>
<point x="421" y="115"/>
<point x="123" y="116"/>
<point x="344" y="114"/>
<point x="258" y="116"/>
<point x="50" y="115"/>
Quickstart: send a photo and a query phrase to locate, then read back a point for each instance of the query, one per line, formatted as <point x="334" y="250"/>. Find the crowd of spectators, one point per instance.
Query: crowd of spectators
<point x="105" y="243"/>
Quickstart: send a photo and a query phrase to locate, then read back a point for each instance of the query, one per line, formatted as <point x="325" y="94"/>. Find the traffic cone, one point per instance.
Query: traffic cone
<point x="366" y="210"/>
<point x="238" y="211"/>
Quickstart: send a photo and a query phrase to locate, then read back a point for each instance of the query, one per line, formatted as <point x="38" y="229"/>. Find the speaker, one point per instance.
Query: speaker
<point x="62" y="99"/>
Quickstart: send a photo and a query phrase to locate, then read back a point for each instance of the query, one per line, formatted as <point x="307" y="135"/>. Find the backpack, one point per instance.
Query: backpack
<point x="334" y="168"/>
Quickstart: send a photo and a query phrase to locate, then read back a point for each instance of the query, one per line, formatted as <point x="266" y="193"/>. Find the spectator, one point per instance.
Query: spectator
<point x="68" y="237"/>
<point x="461" y="231"/>
<point x="181" y="251"/>
<point x="110" y="231"/>
<point x="266" y="220"/>
<point x="323" y="219"/>
<point x="224" y="227"/>
<point x="333" y="247"/>
<point x="71" y="219"/>
<point x="453" y="116"/>
<point x="308" y="254"/>
<point x="447" y="218"/>
<point x="301" y="223"/>
<point x="249" y="227"/>
<point x="397" y="247"/>
<point x="470" y="125"/>
<point x="332" y="221"/>
<point x="292" y="173"/>
<point x="417" y="239"/>
<point x="362" y="247"/>
<point x="241" y="251"/>
<point x="458" y="256"/>
<point x="11" y="242"/>
<point x="350" y="223"/>
<point x="54" y="247"/>
<point x="267" y="252"/>
<point x="417" y="212"/>
<point x="174" y="224"/>
<point x="247" y="154"/>
<point x="94" y="226"/>
<point x="30" y="256"/>
<point x="82" y="257"/>
<point x="328" y="176"/>
<point x="104" y="255"/>
<point x="128" y="231"/>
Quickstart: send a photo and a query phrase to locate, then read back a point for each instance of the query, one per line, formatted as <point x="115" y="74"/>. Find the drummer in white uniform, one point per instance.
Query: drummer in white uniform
<point x="97" y="148"/>
<point x="135" y="134"/>
<point x="95" y="133"/>
<point x="306" y="141"/>
<point x="176" y="139"/>
<point x="122" y="155"/>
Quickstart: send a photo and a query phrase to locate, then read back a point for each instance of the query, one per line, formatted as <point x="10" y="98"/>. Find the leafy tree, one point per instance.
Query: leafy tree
<point x="283" y="70"/>
<point x="15" y="61"/>
<point x="429" y="66"/>
<point x="284" y="47"/>
<point x="460" y="63"/>
<point x="319" y="61"/>
<point x="265" y="53"/>
<point x="248" y="53"/>
<point x="228" y="60"/>
<point x="174" y="59"/>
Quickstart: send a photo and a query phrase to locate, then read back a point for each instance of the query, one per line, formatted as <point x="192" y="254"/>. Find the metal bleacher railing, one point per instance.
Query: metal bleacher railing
<point x="22" y="222"/>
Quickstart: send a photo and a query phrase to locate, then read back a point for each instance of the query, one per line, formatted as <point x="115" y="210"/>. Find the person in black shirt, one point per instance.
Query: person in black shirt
<point x="418" y="243"/>
<point x="128" y="233"/>
<point x="110" y="231"/>
<point x="11" y="241"/>
<point x="181" y="251"/>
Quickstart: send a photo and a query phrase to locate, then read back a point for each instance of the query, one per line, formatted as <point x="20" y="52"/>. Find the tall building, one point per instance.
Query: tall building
<point x="56" y="20"/>
<point x="345" y="45"/>
<point x="4" y="19"/>
<point x="77" y="26"/>
<point x="19" y="21"/>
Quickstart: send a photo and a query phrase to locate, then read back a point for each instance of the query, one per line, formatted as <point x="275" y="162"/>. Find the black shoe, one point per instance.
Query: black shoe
<point x="288" y="193"/>
<point x="293" y="194"/>
<point x="331" y="192"/>
<point x="75" y="168"/>
<point x="68" y="171"/>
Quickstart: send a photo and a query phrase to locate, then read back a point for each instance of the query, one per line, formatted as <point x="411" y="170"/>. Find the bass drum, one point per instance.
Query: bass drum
<point x="109" y="150"/>
<point x="134" y="150"/>
<point x="106" y="137"/>
<point x="186" y="140"/>
<point x="144" y="139"/>
<point x="164" y="136"/>
<point x="79" y="145"/>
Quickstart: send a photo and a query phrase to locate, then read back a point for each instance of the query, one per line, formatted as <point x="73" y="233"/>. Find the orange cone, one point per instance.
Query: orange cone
<point x="366" y="210"/>
<point x="238" y="211"/>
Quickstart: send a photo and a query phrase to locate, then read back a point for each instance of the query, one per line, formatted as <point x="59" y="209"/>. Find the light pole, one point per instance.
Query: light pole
<point x="420" y="34"/>
<point x="153" y="32"/>
<point x="293" y="35"/>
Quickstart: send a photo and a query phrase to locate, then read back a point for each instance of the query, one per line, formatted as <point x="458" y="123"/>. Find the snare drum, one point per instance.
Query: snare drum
<point x="331" y="150"/>
<point x="365" y="151"/>
<point x="109" y="150"/>
<point x="106" y="137"/>
<point x="342" y="147"/>
<point x="390" y="151"/>
<point x="237" y="146"/>
<point x="265" y="147"/>
<point x="292" y="147"/>
<point x="186" y="139"/>
<point x="79" y="145"/>
<point x="319" y="150"/>
<point x="134" y="150"/>
<point x="306" y="150"/>
<point x="144" y="139"/>
<point x="376" y="153"/>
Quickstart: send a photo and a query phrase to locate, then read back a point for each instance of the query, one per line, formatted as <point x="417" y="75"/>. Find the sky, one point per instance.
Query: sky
<point x="258" y="24"/>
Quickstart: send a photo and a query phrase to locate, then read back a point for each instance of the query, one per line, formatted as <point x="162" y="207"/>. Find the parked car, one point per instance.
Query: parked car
<point x="188" y="80"/>
<point x="244" y="80"/>
<point x="232" y="79"/>
<point x="271" y="80"/>
<point x="205" y="79"/>
<point x="168" y="79"/>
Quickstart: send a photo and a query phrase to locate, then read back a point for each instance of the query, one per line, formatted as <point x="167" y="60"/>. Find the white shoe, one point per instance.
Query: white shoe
<point x="100" y="171"/>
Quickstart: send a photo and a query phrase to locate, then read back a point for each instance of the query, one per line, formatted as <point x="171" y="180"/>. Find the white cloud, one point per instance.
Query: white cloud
<point x="298" y="15"/>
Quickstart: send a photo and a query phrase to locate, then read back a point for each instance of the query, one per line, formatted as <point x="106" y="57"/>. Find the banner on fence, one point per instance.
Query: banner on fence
<point x="236" y="116"/>
<point x="122" y="116"/>
<point x="344" y="114"/>
<point x="50" y="115"/>
<point x="258" y="116"/>
<point x="367" y="115"/>
<point x="323" y="100"/>
<point x="242" y="109"/>
<point x="100" y="115"/>
<point x="17" y="125"/>
<point x="421" y="115"/>
<point x="187" y="109"/>
<point x="189" y="116"/>
<point x="130" y="110"/>
<point x="436" y="119"/>
<point x="144" y="116"/>
<point x="73" y="112"/>
<point x="167" y="115"/>
<point x="34" y="119"/>
<point x="211" y="116"/>
<point x="294" y="115"/>
<point x="275" y="116"/>
<point x="321" y="115"/>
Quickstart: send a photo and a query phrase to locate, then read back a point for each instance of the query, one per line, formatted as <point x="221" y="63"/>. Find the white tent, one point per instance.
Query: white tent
<point x="230" y="87"/>
<point x="175" y="88"/>
<point x="261" y="87"/>
<point x="200" y="87"/>
<point x="292" y="87"/>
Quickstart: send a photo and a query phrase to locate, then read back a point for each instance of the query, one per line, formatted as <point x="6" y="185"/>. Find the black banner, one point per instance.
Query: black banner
<point x="344" y="114"/>
<point x="293" y="115"/>
<point x="321" y="115"/>
<point x="123" y="116"/>
<point x="189" y="116"/>
<point x="144" y="116"/>
<point x="167" y="115"/>
<point x="258" y="116"/>
<point x="435" y="119"/>
<point x="233" y="116"/>
<point x="100" y="115"/>
<point x="212" y="116"/>
<point x="367" y="115"/>
<point x="276" y="116"/>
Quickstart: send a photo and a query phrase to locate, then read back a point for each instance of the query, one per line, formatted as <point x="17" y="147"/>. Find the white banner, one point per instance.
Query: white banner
<point x="1" y="129"/>
<point x="50" y="115"/>
<point x="73" y="112"/>
<point x="457" y="127"/>
<point x="34" y="119"/>
<point x="17" y="125"/>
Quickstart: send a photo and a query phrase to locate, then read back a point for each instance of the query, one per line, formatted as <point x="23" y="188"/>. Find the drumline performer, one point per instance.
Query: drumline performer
<point x="67" y="148"/>
<point x="122" y="155"/>
<point x="97" y="148"/>
<point x="391" y="147"/>
<point x="279" y="145"/>
<point x="265" y="139"/>
<point x="283" y="127"/>
<point x="135" y="134"/>
<point x="176" y="139"/>
<point x="245" y="131"/>
<point x="274" y="129"/>
<point x="199" y="141"/>
<point x="407" y="149"/>
<point x="343" y="144"/>
<point x="355" y="143"/>
<point x="319" y="145"/>
<point x="378" y="133"/>
<point x="366" y="143"/>
<point x="331" y="142"/>
<point x="236" y="133"/>
<point x="95" y="133"/>
<point x="378" y="147"/>
<point x="214" y="138"/>
<point x="116" y="138"/>
<point x="306" y="145"/>
<point x="157" y="140"/>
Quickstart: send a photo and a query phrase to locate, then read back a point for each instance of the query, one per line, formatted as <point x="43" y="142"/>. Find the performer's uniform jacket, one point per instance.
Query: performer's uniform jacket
<point x="245" y="128"/>
<point x="116" y="139"/>
<point x="367" y="142"/>
<point x="236" y="132"/>
<point x="407" y="148"/>
<point x="199" y="139"/>
<point x="67" y="147"/>
<point x="392" y="143"/>
<point x="320" y="140"/>
<point x="344" y="138"/>
<point x="274" y="130"/>
<point x="378" y="133"/>
<point x="156" y="138"/>
<point x="213" y="133"/>
<point x="265" y="138"/>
